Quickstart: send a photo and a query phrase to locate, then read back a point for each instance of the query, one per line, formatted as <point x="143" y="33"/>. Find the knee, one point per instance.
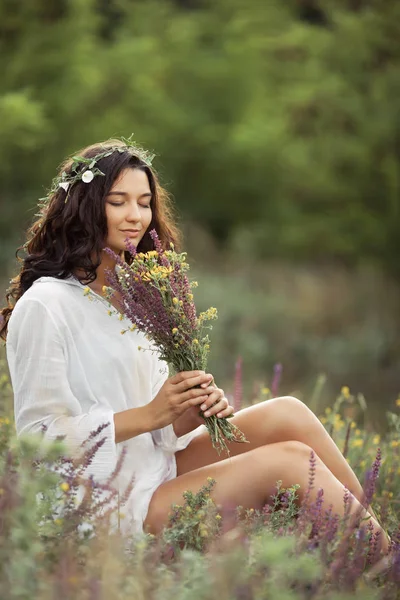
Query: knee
<point x="156" y="517"/>
<point x="289" y="415"/>
<point x="291" y="405"/>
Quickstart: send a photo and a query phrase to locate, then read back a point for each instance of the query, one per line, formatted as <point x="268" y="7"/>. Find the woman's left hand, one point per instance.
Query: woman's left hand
<point x="217" y="404"/>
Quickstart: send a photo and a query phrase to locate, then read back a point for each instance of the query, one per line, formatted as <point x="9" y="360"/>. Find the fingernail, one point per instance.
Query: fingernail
<point x="203" y="385"/>
<point x="203" y="406"/>
<point x="207" y="414"/>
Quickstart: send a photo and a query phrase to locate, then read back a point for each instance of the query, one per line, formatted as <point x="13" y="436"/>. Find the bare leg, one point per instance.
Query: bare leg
<point x="250" y="478"/>
<point x="277" y="420"/>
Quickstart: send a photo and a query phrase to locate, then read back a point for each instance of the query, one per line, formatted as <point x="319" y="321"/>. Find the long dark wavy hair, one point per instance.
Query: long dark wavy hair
<point x="71" y="235"/>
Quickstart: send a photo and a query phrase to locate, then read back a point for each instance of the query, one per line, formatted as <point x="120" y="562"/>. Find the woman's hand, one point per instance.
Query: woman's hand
<point x="217" y="404"/>
<point x="177" y="395"/>
<point x="191" y="418"/>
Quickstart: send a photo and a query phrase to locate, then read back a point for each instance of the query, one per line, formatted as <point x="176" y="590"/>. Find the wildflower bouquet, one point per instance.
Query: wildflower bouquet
<point x="157" y="298"/>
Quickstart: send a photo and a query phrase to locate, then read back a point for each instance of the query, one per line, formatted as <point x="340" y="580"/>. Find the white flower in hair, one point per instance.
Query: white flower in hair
<point x="87" y="176"/>
<point x="64" y="185"/>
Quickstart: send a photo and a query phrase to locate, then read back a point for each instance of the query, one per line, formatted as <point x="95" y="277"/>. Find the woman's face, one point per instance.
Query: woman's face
<point x="128" y="207"/>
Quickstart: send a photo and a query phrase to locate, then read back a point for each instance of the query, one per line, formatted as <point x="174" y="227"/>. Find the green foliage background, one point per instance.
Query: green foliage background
<point x="277" y="129"/>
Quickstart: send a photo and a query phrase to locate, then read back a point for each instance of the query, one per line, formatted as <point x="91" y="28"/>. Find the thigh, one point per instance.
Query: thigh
<point x="246" y="480"/>
<point x="261" y="424"/>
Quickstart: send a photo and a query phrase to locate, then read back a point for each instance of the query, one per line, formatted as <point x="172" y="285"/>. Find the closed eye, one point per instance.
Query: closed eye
<point x="122" y="203"/>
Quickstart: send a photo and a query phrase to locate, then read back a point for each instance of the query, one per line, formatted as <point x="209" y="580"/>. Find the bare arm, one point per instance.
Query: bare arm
<point x="176" y="395"/>
<point x="130" y="423"/>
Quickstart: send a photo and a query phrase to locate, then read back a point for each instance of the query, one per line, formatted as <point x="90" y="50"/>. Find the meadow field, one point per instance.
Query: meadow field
<point x="62" y="546"/>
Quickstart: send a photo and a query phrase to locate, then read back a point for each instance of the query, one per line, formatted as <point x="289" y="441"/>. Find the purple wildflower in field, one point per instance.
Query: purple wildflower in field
<point x="238" y="389"/>
<point x="157" y="298"/>
<point x="371" y="477"/>
<point x="278" y="368"/>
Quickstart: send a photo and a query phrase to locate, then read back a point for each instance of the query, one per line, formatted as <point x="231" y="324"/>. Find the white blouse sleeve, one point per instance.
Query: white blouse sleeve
<point x="42" y="395"/>
<point x="166" y="438"/>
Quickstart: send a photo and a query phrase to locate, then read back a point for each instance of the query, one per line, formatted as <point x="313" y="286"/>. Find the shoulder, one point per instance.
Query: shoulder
<point x="48" y="296"/>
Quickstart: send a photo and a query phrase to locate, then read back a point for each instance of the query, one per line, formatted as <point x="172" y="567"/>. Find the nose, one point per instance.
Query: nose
<point x="133" y="212"/>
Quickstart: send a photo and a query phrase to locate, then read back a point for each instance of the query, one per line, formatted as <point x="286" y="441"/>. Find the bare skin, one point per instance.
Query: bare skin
<point x="282" y="432"/>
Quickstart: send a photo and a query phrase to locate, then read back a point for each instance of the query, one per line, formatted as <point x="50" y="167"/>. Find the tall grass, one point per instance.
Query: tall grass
<point x="57" y="541"/>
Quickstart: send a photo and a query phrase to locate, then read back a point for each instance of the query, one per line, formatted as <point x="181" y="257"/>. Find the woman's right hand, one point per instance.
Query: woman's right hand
<point x="177" y="394"/>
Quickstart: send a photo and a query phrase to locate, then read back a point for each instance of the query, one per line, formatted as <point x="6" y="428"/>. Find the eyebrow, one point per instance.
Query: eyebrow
<point x="145" y="195"/>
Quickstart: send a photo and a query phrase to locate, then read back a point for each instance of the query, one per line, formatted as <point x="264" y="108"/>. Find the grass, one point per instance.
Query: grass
<point x="62" y="546"/>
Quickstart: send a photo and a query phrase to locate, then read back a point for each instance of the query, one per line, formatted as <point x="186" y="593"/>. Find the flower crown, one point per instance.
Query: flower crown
<point x="85" y="169"/>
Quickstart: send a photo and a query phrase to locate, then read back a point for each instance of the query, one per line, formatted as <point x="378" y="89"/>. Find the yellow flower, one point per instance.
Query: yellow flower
<point x="180" y="302"/>
<point x="109" y="313"/>
<point x="358" y="432"/>
<point x="328" y="410"/>
<point x="345" y="391"/>
<point x="190" y="297"/>
<point x="323" y="420"/>
<point x="175" y="300"/>
<point x="203" y="531"/>
<point x="195" y="341"/>
<point x="194" y="284"/>
<point x="398" y="401"/>
<point x="120" y="317"/>
<point x="188" y="509"/>
<point x="86" y="291"/>
<point x="338" y="425"/>
<point x="139" y="347"/>
<point x="265" y="391"/>
<point x="152" y="253"/>
<point x="376" y="439"/>
<point x="363" y="463"/>
<point x="395" y="443"/>
<point x="133" y="327"/>
<point x="175" y="330"/>
<point x="104" y="288"/>
<point x="357" y="443"/>
<point x="58" y="521"/>
<point x="6" y="421"/>
<point x="207" y="347"/>
<point x="353" y="425"/>
<point x="64" y="486"/>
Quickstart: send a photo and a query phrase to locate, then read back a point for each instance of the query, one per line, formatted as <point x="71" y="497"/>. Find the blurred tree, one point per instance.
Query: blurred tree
<point x="278" y="134"/>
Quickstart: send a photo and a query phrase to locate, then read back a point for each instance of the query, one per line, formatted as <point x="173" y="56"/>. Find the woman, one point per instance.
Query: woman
<point x="72" y="371"/>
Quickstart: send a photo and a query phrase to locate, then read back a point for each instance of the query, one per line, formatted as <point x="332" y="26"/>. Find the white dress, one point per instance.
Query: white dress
<point x="71" y="369"/>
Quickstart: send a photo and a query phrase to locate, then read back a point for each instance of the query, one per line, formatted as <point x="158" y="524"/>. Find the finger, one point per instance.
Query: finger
<point x="191" y="402"/>
<point x="211" y="382"/>
<point x="183" y="375"/>
<point x="195" y="395"/>
<point x="229" y="410"/>
<point x="215" y="394"/>
<point x="191" y="382"/>
<point x="217" y="408"/>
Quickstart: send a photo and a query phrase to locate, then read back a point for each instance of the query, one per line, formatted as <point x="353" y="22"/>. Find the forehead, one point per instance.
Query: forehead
<point x="130" y="179"/>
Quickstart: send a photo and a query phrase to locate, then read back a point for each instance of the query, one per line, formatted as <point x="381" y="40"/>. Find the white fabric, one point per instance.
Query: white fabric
<point x="71" y="370"/>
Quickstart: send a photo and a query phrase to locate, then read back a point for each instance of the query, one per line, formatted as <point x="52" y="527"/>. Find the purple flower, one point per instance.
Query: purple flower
<point x="276" y="379"/>
<point x="238" y="389"/>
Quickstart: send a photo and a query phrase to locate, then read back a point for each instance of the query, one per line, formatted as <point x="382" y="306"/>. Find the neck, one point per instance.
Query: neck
<point x="107" y="262"/>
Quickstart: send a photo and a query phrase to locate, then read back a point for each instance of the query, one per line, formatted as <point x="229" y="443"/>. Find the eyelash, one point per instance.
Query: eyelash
<point x="121" y="204"/>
